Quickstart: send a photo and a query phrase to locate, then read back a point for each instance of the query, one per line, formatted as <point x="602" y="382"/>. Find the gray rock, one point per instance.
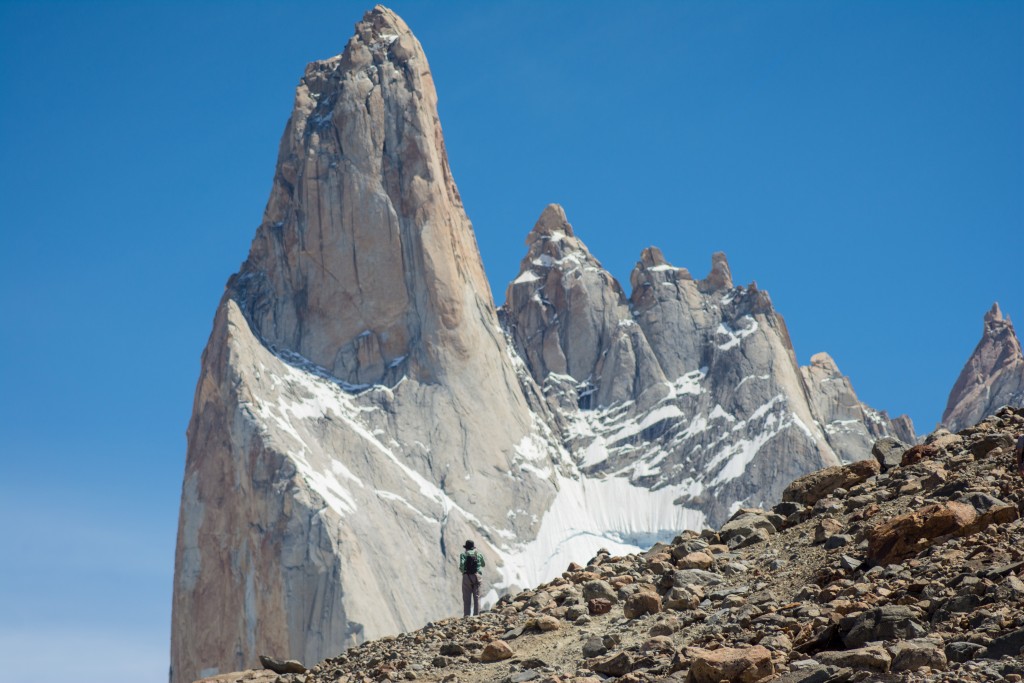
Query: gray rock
<point x="594" y="647"/>
<point x="888" y="452"/>
<point x="870" y="658"/>
<point x="599" y="589"/>
<point x="962" y="651"/>
<point x="1009" y="644"/>
<point x="838" y="541"/>
<point x="883" y="623"/>
<point x="744" y="526"/>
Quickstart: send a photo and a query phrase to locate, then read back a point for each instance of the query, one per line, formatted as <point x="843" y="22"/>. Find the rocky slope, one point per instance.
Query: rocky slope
<point x="992" y="377"/>
<point x="361" y="410"/>
<point x="905" y="567"/>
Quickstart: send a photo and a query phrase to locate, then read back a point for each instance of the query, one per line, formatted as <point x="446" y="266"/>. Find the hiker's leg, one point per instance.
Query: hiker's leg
<point x="467" y="593"/>
<point x="476" y="594"/>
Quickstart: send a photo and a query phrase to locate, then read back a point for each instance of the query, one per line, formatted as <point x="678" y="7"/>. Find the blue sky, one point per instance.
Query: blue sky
<point x="862" y="161"/>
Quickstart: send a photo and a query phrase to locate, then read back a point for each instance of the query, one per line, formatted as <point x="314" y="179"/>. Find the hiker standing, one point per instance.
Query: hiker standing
<point x="470" y="564"/>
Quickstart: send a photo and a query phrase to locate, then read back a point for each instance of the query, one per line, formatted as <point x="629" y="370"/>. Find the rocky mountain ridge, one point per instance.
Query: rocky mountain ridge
<point x="363" y="407"/>
<point x="904" y="567"/>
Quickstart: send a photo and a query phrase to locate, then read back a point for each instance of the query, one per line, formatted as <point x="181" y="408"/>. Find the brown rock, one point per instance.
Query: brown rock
<point x="734" y="664"/>
<point x="697" y="560"/>
<point x="548" y="623"/>
<point x="825" y="528"/>
<point x="290" y="666"/>
<point x="812" y="487"/>
<point x="916" y="454"/>
<point x="658" y="644"/>
<point x="598" y="606"/>
<point x="906" y="535"/>
<point x="495" y="651"/>
<point x="641" y="603"/>
<point x="681" y="599"/>
<point x="615" y="665"/>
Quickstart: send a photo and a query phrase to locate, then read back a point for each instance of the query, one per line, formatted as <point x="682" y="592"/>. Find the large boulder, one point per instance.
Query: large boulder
<point x="811" y="488"/>
<point x="734" y="664"/>
<point x="495" y="651"/>
<point x="888" y="452"/>
<point x="906" y="535"/>
<point x="890" y="622"/>
<point x="870" y="658"/>
<point x="913" y="654"/>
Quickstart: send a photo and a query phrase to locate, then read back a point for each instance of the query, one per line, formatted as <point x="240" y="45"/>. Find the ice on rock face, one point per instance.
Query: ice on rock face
<point x="588" y="514"/>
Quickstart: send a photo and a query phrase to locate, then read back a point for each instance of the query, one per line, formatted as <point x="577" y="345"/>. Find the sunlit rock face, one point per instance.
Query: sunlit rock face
<point x="362" y="407"/>
<point x="992" y="377"/>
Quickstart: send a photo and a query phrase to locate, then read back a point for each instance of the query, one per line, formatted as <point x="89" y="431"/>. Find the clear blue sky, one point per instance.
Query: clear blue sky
<point x="862" y="161"/>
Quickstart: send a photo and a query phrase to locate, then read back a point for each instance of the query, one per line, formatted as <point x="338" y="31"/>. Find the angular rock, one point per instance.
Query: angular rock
<point x="599" y="589"/>
<point x="906" y="535"/>
<point x="641" y="603"/>
<point x="811" y="488"/>
<point x="698" y="560"/>
<point x="913" y="654"/>
<point x="495" y="651"/>
<point x="594" y="647"/>
<point x="1010" y="644"/>
<point x="738" y="665"/>
<point x="289" y="666"/>
<point x="962" y="651"/>
<point x="918" y="453"/>
<point x="870" y="658"/>
<point x="618" y="664"/>
<point x="888" y="452"/>
<point x="883" y="623"/>
<point x="745" y="525"/>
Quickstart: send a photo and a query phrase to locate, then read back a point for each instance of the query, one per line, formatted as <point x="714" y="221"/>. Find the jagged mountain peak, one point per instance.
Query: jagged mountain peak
<point x="993" y="375"/>
<point x="824" y="361"/>
<point x="994" y="314"/>
<point x="552" y="221"/>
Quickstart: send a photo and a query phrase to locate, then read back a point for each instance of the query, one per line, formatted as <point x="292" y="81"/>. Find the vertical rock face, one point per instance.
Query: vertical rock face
<point x="361" y="411"/>
<point x="851" y="426"/>
<point x="992" y="377"/>
<point x="358" y="414"/>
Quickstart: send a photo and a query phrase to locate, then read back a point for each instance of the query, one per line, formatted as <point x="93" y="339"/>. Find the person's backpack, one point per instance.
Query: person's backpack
<point x="472" y="564"/>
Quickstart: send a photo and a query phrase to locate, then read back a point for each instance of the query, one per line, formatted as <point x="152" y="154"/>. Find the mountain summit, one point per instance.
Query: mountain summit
<point x="362" y="408"/>
<point x="992" y="377"/>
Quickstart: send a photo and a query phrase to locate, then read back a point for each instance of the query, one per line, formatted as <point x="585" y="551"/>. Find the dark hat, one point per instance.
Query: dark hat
<point x="469" y="545"/>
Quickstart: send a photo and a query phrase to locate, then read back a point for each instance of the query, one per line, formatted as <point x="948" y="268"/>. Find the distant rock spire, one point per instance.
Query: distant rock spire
<point x="552" y="220"/>
<point x="992" y="377"/>
<point x="720" y="276"/>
